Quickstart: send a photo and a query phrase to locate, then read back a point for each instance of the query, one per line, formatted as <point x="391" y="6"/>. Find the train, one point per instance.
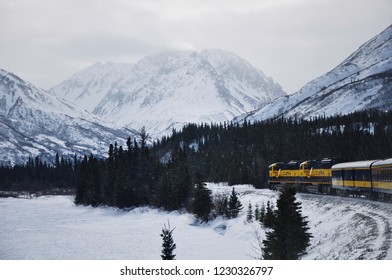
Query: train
<point x="371" y="178"/>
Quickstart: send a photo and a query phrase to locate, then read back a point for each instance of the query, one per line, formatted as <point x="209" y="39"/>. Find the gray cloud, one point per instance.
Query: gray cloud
<point x="45" y="41"/>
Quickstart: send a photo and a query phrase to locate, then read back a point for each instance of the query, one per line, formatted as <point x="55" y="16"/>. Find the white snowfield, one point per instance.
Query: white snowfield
<point x="54" y="228"/>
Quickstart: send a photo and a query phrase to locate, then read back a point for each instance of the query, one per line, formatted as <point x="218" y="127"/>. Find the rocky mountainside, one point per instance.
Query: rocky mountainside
<point x="167" y="90"/>
<point x="362" y="81"/>
<point x="88" y="87"/>
<point x="34" y="122"/>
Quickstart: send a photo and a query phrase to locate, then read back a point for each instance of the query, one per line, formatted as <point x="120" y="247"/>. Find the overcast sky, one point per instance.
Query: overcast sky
<point x="292" y="41"/>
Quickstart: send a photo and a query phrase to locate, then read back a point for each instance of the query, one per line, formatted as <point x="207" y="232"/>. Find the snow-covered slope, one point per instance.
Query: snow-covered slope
<point x="362" y="81"/>
<point x="34" y="122"/>
<point x="88" y="87"/>
<point x="54" y="228"/>
<point x="165" y="91"/>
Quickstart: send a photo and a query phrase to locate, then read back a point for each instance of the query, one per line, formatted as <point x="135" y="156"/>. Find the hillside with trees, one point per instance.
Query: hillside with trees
<point x="163" y="174"/>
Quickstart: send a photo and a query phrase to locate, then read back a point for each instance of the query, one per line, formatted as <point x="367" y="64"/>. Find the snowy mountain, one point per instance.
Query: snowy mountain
<point x="89" y="86"/>
<point x="167" y="90"/>
<point x="362" y="81"/>
<point x="34" y="122"/>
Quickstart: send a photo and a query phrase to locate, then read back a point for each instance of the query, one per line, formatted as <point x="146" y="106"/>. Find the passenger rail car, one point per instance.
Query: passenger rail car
<point x="370" y="178"/>
<point x="382" y="179"/>
<point x="353" y="177"/>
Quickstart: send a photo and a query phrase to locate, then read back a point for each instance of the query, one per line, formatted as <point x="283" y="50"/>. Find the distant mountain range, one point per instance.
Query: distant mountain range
<point x="34" y="122"/>
<point x="362" y="81"/>
<point x="167" y="90"/>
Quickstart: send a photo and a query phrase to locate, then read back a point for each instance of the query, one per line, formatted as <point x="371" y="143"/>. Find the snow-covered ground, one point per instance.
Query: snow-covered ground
<point x="54" y="228"/>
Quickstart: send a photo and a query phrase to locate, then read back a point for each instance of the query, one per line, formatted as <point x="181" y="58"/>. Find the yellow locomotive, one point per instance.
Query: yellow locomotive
<point x="307" y="176"/>
<point x="371" y="178"/>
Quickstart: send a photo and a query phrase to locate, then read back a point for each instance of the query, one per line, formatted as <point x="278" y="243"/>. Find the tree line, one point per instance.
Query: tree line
<point x="164" y="174"/>
<point x="39" y="176"/>
<point x="241" y="153"/>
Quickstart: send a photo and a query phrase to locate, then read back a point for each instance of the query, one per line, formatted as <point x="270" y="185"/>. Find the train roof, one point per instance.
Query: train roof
<point x="324" y="161"/>
<point x="383" y="162"/>
<point x="354" y="164"/>
<point x="291" y="162"/>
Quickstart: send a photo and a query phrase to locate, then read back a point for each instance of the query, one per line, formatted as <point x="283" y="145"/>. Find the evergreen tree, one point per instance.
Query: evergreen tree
<point x="262" y="214"/>
<point x="202" y="204"/>
<point x="235" y="205"/>
<point x="168" y="245"/>
<point x="289" y="237"/>
<point x="257" y="213"/>
<point x="174" y="182"/>
<point x="110" y="177"/>
<point x="249" y="215"/>
<point x="269" y="216"/>
<point x="81" y="192"/>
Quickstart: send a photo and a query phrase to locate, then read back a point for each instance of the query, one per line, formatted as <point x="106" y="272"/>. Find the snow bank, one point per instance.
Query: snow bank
<point x="54" y="228"/>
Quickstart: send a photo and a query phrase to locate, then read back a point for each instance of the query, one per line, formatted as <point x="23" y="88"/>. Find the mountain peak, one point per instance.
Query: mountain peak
<point x="362" y="81"/>
<point x="167" y="90"/>
<point x="34" y="122"/>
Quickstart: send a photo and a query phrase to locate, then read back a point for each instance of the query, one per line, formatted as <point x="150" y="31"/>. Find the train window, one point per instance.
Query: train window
<point x="389" y="175"/>
<point x="382" y="175"/>
<point x="385" y="175"/>
<point x="337" y="174"/>
<point x="362" y="175"/>
<point x="348" y="175"/>
<point x="377" y="175"/>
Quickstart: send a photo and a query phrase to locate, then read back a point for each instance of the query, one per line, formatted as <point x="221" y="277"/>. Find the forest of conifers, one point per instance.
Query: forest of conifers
<point x="163" y="173"/>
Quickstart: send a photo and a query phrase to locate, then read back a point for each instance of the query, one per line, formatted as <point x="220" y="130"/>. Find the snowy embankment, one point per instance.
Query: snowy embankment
<point x="54" y="228"/>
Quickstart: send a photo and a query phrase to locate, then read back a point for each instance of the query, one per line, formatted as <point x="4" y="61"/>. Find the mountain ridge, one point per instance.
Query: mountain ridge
<point x="358" y="83"/>
<point x="167" y="90"/>
<point x="34" y="122"/>
<point x="164" y="91"/>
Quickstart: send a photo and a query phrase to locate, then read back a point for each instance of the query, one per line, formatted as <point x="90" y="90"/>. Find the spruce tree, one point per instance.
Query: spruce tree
<point x="202" y="204"/>
<point x="289" y="236"/>
<point x="269" y="216"/>
<point x="249" y="215"/>
<point x="262" y="214"/>
<point x="81" y="192"/>
<point x="235" y="205"/>
<point x="257" y="212"/>
<point x="168" y="245"/>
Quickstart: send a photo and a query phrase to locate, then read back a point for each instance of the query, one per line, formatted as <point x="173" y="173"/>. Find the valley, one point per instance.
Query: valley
<point x="52" y="227"/>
